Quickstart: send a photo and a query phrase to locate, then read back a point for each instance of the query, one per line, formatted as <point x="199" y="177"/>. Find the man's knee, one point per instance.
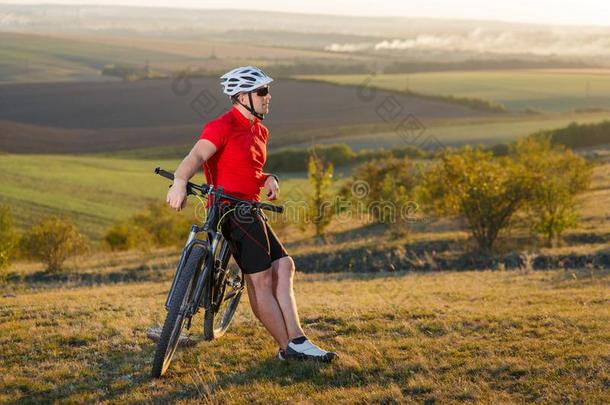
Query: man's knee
<point x="261" y="281"/>
<point x="285" y="264"/>
<point x="284" y="267"/>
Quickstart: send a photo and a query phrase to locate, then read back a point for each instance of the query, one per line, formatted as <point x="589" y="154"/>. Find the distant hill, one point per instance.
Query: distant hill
<point x="26" y="57"/>
<point x="414" y="39"/>
<point x="94" y="117"/>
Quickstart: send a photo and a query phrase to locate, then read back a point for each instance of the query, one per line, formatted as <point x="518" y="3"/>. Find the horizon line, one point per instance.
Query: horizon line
<point x="301" y="13"/>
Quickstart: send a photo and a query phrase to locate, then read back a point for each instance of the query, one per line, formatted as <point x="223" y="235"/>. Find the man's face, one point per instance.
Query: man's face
<point x="260" y="102"/>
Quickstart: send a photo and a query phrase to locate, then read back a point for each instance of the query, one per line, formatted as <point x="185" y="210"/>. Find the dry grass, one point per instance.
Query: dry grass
<point x="595" y="205"/>
<point x="438" y="337"/>
<point x="483" y="337"/>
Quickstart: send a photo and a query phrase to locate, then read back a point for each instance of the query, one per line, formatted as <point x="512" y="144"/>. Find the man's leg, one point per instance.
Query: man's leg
<point x="265" y="306"/>
<point x="299" y="346"/>
<point x="283" y="275"/>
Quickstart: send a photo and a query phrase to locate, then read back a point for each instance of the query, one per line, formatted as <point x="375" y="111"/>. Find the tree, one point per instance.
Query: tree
<point x="53" y="241"/>
<point x="157" y="225"/>
<point x="383" y="186"/>
<point x="164" y="225"/>
<point x="558" y="176"/>
<point x="9" y="237"/>
<point x="125" y="235"/>
<point x="320" y="205"/>
<point x="485" y="191"/>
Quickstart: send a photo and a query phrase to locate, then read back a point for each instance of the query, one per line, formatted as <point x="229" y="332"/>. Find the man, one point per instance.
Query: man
<point x="232" y="149"/>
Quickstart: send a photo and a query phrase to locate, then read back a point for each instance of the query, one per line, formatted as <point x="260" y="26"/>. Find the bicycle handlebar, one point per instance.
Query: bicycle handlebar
<point x="207" y="189"/>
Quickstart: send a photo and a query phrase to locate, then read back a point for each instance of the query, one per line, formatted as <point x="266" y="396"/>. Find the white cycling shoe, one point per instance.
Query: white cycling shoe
<point x="301" y="348"/>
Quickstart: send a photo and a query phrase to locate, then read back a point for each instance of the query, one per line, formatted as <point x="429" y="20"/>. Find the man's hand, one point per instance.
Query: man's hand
<point x="176" y="196"/>
<point x="272" y="189"/>
<point x="201" y="152"/>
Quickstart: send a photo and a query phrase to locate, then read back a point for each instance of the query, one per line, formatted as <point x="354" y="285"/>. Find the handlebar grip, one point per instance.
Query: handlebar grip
<point x="164" y="173"/>
<point x="170" y="176"/>
<point x="270" y="207"/>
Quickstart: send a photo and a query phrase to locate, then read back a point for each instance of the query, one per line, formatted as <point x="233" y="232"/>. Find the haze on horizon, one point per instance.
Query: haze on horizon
<point x="552" y="12"/>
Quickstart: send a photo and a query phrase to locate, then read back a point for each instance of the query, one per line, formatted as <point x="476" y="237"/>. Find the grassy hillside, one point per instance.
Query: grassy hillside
<point x="97" y="191"/>
<point x="461" y="132"/>
<point x="483" y="337"/>
<point x="72" y="57"/>
<point x="27" y="58"/>
<point x="93" y="191"/>
<point x="546" y="90"/>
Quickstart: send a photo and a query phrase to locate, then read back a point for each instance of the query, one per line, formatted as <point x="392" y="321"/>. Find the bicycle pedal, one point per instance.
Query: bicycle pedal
<point x="234" y="282"/>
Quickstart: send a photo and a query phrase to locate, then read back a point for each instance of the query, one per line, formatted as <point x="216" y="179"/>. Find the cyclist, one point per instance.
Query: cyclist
<point x="232" y="150"/>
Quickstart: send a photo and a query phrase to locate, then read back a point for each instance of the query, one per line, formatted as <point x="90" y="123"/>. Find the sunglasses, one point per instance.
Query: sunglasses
<point x="262" y="92"/>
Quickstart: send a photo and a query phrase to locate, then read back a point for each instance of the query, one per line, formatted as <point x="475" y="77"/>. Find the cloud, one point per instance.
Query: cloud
<point x="347" y="47"/>
<point x="10" y="19"/>
<point x="568" y="42"/>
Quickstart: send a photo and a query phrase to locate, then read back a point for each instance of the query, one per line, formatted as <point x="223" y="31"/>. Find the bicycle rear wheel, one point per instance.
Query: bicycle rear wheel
<point x="180" y="302"/>
<point x="226" y="295"/>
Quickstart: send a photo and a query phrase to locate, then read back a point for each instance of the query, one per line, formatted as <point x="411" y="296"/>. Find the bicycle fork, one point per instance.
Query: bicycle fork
<point x="190" y="243"/>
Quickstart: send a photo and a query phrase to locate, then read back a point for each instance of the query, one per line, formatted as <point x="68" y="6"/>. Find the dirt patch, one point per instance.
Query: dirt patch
<point x="438" y="256"/>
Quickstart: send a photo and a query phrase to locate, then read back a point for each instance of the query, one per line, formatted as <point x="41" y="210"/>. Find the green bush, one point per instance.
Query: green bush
<point x="320" y="205"/>
<point x="578" y="135"/>
<point x="382" y="187"/>
<point x="126" y="235"/>
<point x="9" y="238"/>
<point x="500" y="149"/>
<point x="53" y="241"/>
<point x="157" y="225"/>
<point x="287" y="160"/>
<point x="296" y="160"/>
<point x="558" y="176"/>
<point x="485" y="191"/>
<point x="412" y="152"/>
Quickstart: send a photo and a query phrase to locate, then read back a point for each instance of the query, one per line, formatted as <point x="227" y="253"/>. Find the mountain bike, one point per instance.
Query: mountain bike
<point x="203" y="278"/>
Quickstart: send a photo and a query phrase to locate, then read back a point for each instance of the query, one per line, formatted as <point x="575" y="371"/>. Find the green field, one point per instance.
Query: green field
<point x="43" y="58"/>
<point x="39" y="58"/>
<point x="93" y="191"/>
<point x="452" y="337"/>
<point x="97" y="191"/>
<point x="544" y="90"/>
<point x="460" y="132"/>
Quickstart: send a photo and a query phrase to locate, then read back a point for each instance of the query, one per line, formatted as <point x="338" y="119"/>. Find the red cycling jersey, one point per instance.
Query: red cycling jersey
<point x="241" y="153"/>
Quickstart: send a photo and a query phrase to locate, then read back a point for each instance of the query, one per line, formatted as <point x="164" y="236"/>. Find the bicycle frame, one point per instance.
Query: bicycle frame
<point x="206" y="284"/>
<point x="204" y="292"/>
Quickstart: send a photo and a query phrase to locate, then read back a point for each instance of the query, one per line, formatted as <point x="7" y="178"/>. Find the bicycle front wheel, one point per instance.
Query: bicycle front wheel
<point x="180" y="302"/>
<point x="226" y="294"/>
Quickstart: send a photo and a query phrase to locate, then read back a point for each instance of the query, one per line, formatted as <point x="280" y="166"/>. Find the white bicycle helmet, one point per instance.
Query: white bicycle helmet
<point x="243" y="79"/>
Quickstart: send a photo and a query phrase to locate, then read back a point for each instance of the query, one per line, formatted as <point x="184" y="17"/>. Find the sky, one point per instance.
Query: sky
<point x="556" y="12"/>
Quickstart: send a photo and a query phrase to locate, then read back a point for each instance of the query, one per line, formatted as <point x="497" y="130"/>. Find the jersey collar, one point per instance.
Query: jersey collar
<point x="241" y="120"/>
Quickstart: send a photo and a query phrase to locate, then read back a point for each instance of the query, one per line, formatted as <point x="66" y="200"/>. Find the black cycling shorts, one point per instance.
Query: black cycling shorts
<point x="253" y="243"/>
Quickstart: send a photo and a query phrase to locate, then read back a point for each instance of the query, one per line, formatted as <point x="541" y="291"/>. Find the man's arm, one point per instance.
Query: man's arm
<point x="202" y="151"/>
